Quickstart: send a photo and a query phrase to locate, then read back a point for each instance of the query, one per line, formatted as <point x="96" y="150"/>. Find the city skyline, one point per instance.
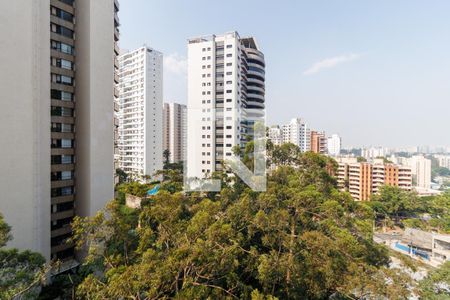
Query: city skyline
<point x="380" y="68"/>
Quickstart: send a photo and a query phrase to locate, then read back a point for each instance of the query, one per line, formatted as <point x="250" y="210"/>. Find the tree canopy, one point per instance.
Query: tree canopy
<point x="301" y="239"/>
<point x="21" y="272"/>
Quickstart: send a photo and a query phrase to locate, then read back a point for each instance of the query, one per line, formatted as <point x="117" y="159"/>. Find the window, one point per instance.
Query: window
<point x="65" y="48"/>
<point x="66" y="175"/>
<point x="62" y="79"/>
<point x="66" y="159"/>
<point x="66" y="127"/>
<point x="69" y="2"/>
<point x="65" y="64"/>
<point x="229" y="91"/>
<point x="229" y="46"/>
<point x="65" y="143"/>
<point x="62" y="63"/>
<point x="229" y="64"/>
<point x="61" y="14"/>
<point x="229" y="82"/>
<point x="229" y="73"/>
<point x="61" y="111"/>
<point x="64" y="31"/>
<point x="65" y="191"/>
<point x="229" y="55"/>
<point x="60" y="95"/>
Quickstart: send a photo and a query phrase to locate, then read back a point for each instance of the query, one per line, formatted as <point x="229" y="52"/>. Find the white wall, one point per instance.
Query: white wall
<point x="25" y="122"/>
<point x="94" y="105"/>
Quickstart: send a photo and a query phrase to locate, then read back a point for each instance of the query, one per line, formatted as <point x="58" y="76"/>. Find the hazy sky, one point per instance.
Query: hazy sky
<point x="376" y="72"/>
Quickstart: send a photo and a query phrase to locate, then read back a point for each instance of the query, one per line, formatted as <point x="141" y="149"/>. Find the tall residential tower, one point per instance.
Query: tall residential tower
<point x="298" y="133"/>
<point x="226" y="94"/>
<point x="174" y="136"/>
<point x="57" y="124"/>
<point x="140" y="112"/>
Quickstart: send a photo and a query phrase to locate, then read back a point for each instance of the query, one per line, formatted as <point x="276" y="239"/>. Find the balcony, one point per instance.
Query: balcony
<point x="61" y="247"/>
<point x="116" y="34"/>
<point x="61" y="231"/>
<point x="62" y="183"/>
<point x="62" y="199"/>
<point x="62" y="215"/>
<point x="62" y="167"/>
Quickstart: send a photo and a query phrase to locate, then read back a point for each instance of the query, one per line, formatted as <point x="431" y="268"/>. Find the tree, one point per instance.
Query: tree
<point x="123" y="176"/>
<point x="407" y="209"/>
<point x="394" y="202"/>
<point x="436" y="286"/>
<point x="166" y="156"/>
<point x="301" y="239"/>
<point x="21" y="272"/>
<point x="5" y="230"/>
<point x="361" y="159"/>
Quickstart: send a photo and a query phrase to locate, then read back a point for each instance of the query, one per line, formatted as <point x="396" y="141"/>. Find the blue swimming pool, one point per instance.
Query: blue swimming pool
<point x="417" y="252"/>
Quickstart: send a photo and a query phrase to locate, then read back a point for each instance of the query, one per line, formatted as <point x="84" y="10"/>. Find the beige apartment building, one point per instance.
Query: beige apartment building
<point x="318" y="142"/>
<point x="58" y="62"/>
<point x="363" y="179"/>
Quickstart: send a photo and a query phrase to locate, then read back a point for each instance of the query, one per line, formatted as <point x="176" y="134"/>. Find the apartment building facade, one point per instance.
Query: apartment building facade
<point x="140" y="112"/>
<point x="363" y="179"/>
<point x="298" y="133"/>
<point x="226" y="94"/>
<point x="59" y="117"/>
<point x="318" y="142"/>
<point x="443" y="160"/>
<point x="421" y="170"/>
<point x="275" y="135"/>
<point x="175" y="131"/>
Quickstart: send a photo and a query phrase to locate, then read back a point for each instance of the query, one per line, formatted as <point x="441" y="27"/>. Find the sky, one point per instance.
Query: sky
<point x="375" y="72"/>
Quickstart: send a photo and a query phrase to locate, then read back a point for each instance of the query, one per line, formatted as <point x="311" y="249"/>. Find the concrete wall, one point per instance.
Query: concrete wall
<point x="25" y="122"/>
<point x="153" y="112"/>
<point x="95" y="105"/>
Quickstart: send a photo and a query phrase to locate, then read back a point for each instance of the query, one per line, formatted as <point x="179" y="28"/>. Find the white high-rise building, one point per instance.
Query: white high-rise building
<point x="421" y="170"/>
<point x="334" y="145"/>
<point x="226" y="89"/>
<point x="57" y="87"/>
<point x="297" y="133"/>
<point x="276" y="135"/>
<point x="174" y="137"/>
<point x="140" y="112"/>
<point x="443" y="160"/>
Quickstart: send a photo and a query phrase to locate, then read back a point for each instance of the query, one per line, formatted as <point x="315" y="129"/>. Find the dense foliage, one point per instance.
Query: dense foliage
<point x="395" y="206"/>
<point x="301" y="239"/>
<point x="21" y="273"/>
<point x="437" y="284"/>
